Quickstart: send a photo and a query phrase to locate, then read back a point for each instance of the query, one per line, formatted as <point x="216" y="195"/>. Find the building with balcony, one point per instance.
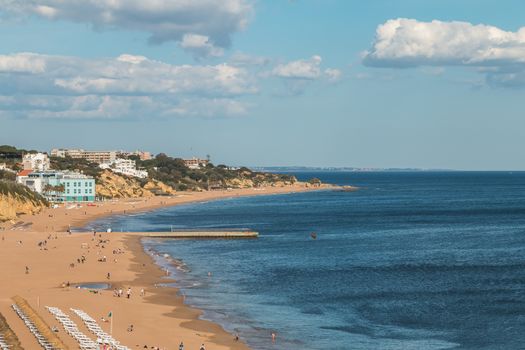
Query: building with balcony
<point x="126" y="167"/>
<point x="196" y="163"/>
<point x="91" y="156"/>
<point x="35" y="161"/>
<point x="59" y="186"/>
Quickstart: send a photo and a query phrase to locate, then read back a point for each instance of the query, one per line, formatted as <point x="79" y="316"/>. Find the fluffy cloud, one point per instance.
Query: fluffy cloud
<point x="410" y="43"/>
<point x="407" y="42"/>
<point x="164" y="20"/>
<point x="34" y="85"/>
<point x="130" y="86"/>
<point x="300" y="69"/>
<point x="22" y="63"/>
<point x="200" y="46"/>
<point x="309" y="69"/>
<point x="333" y="74"/>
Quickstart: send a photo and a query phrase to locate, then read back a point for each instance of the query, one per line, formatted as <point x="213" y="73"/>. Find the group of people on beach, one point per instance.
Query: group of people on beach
<point x="42" y="245"/>
<point x="120" y="292"/>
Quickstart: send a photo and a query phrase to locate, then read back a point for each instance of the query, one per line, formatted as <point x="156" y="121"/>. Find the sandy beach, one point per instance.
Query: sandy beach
<point x="159" y="318"/>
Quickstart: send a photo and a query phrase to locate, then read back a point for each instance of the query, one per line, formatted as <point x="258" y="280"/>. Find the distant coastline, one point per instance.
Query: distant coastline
<point x="291" y="169"/>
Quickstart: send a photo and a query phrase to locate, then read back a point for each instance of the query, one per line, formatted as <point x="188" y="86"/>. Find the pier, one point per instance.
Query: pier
<point x="199" y="234"/>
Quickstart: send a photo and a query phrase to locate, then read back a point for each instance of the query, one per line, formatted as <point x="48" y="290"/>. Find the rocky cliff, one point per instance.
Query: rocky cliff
<point x="249" y="180"/>
<point x="112" y="185"/>
<point x="17" y="199"/>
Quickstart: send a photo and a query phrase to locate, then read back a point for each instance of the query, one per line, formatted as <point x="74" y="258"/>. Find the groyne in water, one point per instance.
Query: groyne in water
<point x="229" y="234"/>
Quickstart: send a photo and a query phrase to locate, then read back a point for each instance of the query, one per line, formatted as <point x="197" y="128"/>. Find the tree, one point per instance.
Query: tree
<point x="315" y="182"/>
<point x="53" y="192"/>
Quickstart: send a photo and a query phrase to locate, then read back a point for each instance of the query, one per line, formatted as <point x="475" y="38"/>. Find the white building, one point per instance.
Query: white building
<point x="126" y="167"/>
<point x="36" y="185"/>
<point x="35" y="161"/>
<point x="196" y="163"/>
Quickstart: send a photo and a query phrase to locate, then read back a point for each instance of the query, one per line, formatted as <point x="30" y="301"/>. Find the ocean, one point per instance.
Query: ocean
<point x="415" y="260"/>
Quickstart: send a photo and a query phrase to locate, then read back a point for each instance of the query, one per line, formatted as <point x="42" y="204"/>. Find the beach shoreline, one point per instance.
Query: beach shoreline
<point x="134" y="269"/>
<point x="78" y="215"/>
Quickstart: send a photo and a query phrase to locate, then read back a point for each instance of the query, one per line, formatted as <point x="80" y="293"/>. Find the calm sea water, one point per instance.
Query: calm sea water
<point x="410" y="261"/>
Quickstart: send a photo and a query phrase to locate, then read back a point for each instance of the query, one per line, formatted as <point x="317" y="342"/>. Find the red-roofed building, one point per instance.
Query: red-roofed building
<point x="23" y="178"/>
<point x="24" y="172"/>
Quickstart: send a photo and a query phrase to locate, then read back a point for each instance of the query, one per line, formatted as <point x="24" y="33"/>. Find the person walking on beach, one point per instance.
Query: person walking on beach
<point x="181" y="346"/>
<point x="202" y="347"/>
<point x="128" y="293"/>
<point x="27" y="270"/>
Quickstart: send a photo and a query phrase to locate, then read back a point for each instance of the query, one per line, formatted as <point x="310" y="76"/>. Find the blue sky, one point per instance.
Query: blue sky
<point x="407" y="83"/>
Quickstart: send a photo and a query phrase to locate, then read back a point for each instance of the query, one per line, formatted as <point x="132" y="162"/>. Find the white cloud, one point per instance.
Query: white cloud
<point x="22" y="63"/>
<point x="411" y="43"/>
<point x="164" y="20"/>
<point x="130" y="86"/>
<point x="208" y="108"/>
<point x="333" y="74"/>
<point x="300" y="69"/>
<point x="200" y="46"/>
<point x="408" y="42"/>
<point x="306" y="69"/>
<point x="34" y="85"/>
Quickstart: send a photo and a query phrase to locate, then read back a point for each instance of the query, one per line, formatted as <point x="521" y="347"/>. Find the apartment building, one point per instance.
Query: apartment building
<point x="196" y="163"/>
<point x="126" y="167"/>
<point x="59" y="186"/>
<point x="35" y="161"/>
<point x="91" y="156"/>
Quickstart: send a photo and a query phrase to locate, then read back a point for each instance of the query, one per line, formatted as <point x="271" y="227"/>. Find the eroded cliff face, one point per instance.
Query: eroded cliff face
<point x="112" y="185"/>
<point x="12" y="205"/>
<point x="259" y="181"/>
<point x="159" y="188"/>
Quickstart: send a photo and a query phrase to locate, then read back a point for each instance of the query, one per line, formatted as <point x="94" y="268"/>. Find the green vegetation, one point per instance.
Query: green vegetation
<point x="173" y="172"/>
<point x="315" y="182"/>
<point x="22" y="192"/>
<point x="74" y="164"/>
<point x="7" y="175"/>
<point x="11" y="155"/>
<point x="168" y="170"/>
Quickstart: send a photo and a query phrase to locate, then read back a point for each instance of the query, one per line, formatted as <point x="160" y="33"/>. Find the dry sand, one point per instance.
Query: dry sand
<point x="159" y="319"/>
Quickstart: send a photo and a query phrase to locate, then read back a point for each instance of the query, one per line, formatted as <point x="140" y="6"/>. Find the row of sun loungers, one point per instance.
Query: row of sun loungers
<point x="45" y="336"/>
<point x="34" y="330"/>
<point x="8" y="339"/>
<point x="3" y="344"/>
<point x="102" y="337"/>
<point x="71" y="328"/>
<point x="50" y="341"/>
